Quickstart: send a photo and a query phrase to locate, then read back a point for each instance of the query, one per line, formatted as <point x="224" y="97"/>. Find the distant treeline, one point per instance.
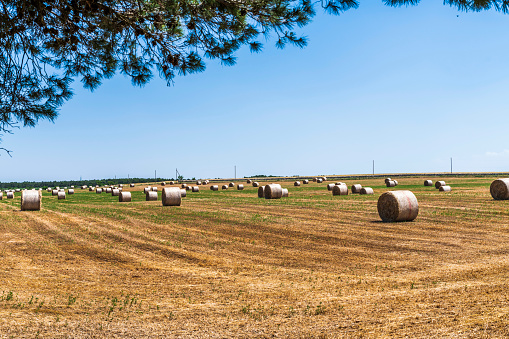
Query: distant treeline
<point x="76" y="183"/>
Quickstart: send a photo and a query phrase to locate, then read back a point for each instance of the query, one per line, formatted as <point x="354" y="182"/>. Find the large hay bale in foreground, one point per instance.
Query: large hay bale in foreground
<point x="195" y="189"/>
<point x="428" y="183"/>
<point x="296" y="184"/>
<point x="261" y="192"/>
<point x="151" y="196"/>
<point x="439" y="183"/>
<point x="214" y="188"/>
<point x="61" y="195"/>
<point x="231" y="184"/>
<point x="171" y="196"/>
<point x="390" y="183"/>
<point x="224" y="187"/>
<point x="124" y="197"/>
<point x="273" y="191"/>
<point x="54" y="192"/>
<point x="70" y="191"/>
<point x="30" y="200"/>
<point x="356" y="188"/>
<point x="10" y="195"/>
<point x="284" y="193"/>
<point x="330" y="186"/>
<point x="183" y="193"/>
<point x="499" y="189"/>
<point x="444" y="188"/>
<point x="398" y="206"/>
<point x="367" y="190"/>
<point x="340" y="190"/>
<point x="115" y="192"/>
<point x="256" y="184"/>
<point x="240" y="187"/>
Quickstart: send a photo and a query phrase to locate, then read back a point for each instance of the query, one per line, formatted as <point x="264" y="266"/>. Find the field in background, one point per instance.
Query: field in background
<point x="228" y="264"/>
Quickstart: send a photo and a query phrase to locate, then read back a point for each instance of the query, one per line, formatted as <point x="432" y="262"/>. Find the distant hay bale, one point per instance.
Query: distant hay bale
<point x="18" y="190"/>
<point x="90" y="189"/>
<point x="439" y="183"/>
<point x="305" y="181"/>
<point x="256" y="184"/>
<point x="240" y="187"/>
<point x="120" y="189"/>
<point x="224" y="187"/>
<point x="284" y="193"/>
<point x="131" y="185"/>
<point x="296" y="184"/>
<point x="231" y="184"/>
<point x="315" y="179"/>
<point x="154" y="189"/>
<point x="261" y="192"/>
<point x="163" y="183"/>
<point x="249" y="181"/>
<point x="1" y="195"/>
<point x="72" y="186"/>
<point x="330" y="186"/>
<point x="195" y="189"/>
<point x="61" y="195"/>
<point x="188" y="188"/>
<point x="390" y="183"/>
<point x="183" y="185"/>
<point x="356" y="188"/>
<point x="395" y="182"/>
<point x="367" y="190"/>
<point x="499" y="189"/>
<point x="120" y="185"/>
<point x="340" y="190"/>
<point x="54" y="192"/>
<point x="10" y="195"/>
<point x="108" y="190"/>
<point x="183" y="192"/>
<point x="428" y="183"/>
<point x="273" y="191"/>
<point x="47" y="189"/>
<point x="70" y="191"/>
<point x="398" y="206"/>
<point x="319" y="180"/>
<point x="98" y="190"/>
<point x="198" y="182"/>
<point x="444" y="188"/>
<point x="147" y="189"/>
<point x="171" y="196"/>
<point x="151" y="196"/>
<point x="30" y="200"/>
<point x="124" y="197"/>
<point x="324" y="178"/>
<point x="115" y="192"/>
<point x="172" y="183"/>
<point x="387" y="180"/>
<point x="214" y="188"/>
<point x="340" y="183"/>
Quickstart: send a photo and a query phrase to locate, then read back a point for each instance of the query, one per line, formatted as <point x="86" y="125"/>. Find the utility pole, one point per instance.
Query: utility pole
<point x="235" y="171"/>
<point x="373" y="167"/>
<point x="155" y="175"/>
<point x="451" y="165"/>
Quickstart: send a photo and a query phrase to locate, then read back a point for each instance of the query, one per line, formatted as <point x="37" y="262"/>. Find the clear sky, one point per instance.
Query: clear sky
<point x="407" y="87"/>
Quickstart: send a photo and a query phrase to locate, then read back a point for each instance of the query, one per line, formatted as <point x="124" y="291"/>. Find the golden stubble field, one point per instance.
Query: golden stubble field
<point x="228" y="264"/>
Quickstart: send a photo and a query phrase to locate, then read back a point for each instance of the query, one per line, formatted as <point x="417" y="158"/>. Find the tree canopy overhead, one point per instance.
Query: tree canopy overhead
<point x="47" y="44"/>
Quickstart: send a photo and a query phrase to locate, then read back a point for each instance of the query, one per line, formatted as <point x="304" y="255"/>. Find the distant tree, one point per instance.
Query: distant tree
<point x="47" y="44"/>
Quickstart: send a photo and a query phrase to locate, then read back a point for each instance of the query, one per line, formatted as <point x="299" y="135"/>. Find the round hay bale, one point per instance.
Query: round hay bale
<point x="240" y="187"/>
<point x="183" y="192"/>
<point x="249" y="181"/>
<point x="151" y="196"/>
<point x="121" y="185"/>
<point x="305" y="181"/>
<point x="356" y="188"/>
<point x="18" y="190"/>
<point x="319" y="180"/>
<point x="395" y="182"/>
<point x="120" y="189"/>
<point x="315" y="179"/>
<point x="90" y="189"/>
<point x="1" y="195"/>
<point x="30" y="200"/>
<point x="224" y="187"/>
<point x="47" y="189"/>
<point x="499" y="189"/>
<point x="154" y="189"/>
<point x="188" y="188"/>
<point x="231" y="184"/>
<point x="330" y="186"/>
<point x="256" y="184"/>
<point x="398" y="206"/>
<point x="61" y="195"/>
<point x="131" y="185"/>
<point x="98" y="190"/>
<point x="340" y="190"/>
<point x="183" y="185"/>
<point x="198" y="182"/>
<point x="206" y="182"/>
<point x="296" y="184"/>
<point x="163" y="184"/>
<point x="367" y="190"/>
<point x="10" y="195"/>
<point x="171" y="196"/>
<point x="172" y="183"/>
<point x="428" y="183"/>
<point x="195" y="189"/>
<point x="439" y="183"/>
<point x="108" y="190"/>
<point x="390" y="183"/>
<point x="70" y="191"/>
<point x="72" y="186"/>
<point x="124" y="197"/>
<point x="214" y="188"/>
<point x="284" y="193"/>
<point x="261" y="192"/>
<point x="147" y="189"/>
<point x="115" y="192"/>
<point x="444" y="188"/>
<point x="273" y="191"/>
<point x="387" y="180"/>
<point x="324" y="178"/>
<point x="54" y="192"/>
<point x="340" y="183"/>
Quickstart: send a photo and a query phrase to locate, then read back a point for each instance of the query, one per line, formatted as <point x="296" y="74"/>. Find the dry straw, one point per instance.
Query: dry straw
<point x="297" y="183"/>
<point x="439" y="183"/>
<point x="151" y="196"/>
<point x="305" y="181"/>
<point x="356" y="188"/>
<point x="195" y="189"/>
<point x="444" y="188"/>
<point x="499" y="189"/>
<point x="70" y="191"/>
<point x="224" y="187"/>
<point x="428" y="183"/>
<point x="124" y="197"/>
<point x="255" y="184"/>
<point x="61" y="195"/>
<point x="183" y="193"/>
<point x="240" y="187"/>
<point x="214" y="188"/>
<point x="261" y="191"/>
<point x="367" y="190"/>
<point x="115" y="192"/>
<point x="10" y="195"/>
<point x="30" y="200"/>
<point x="171" y="196"/>
<point x="273" y="191"/>
<point x="398" y="206"/>
<point x="340" y="190"/>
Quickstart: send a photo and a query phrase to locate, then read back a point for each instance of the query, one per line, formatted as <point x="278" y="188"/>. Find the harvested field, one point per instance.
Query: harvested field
<point x="228" y="264"/>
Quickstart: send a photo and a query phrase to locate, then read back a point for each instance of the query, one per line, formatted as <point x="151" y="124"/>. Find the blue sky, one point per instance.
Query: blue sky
<point x="406" y="87"/>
